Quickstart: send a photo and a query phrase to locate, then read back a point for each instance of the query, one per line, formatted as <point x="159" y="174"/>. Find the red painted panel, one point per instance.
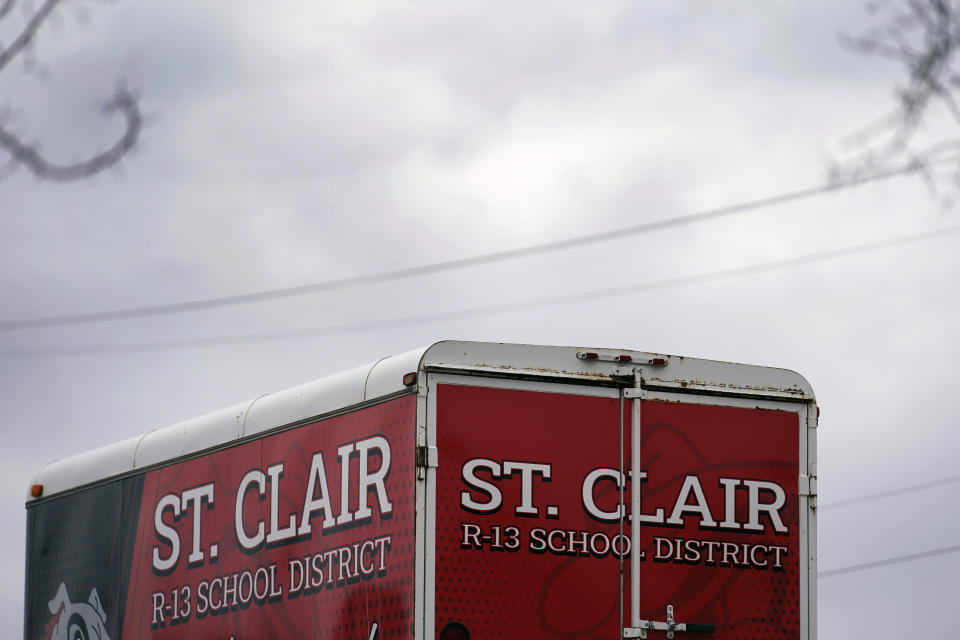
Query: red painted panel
<point x="745" y="581"/>
<point x="348" y="572"/>
<point x="524" y="551"/>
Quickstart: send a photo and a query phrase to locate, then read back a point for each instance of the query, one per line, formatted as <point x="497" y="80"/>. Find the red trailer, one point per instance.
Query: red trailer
<point x="465" y="490"/>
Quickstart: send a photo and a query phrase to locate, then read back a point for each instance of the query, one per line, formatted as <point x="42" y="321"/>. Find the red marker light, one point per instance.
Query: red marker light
<point x="410" y="379"/>
<point x="591" y="355"/>
<point x="660" y="362"/>
<point x="36" y="490"/>
<point x="624" y="358"/>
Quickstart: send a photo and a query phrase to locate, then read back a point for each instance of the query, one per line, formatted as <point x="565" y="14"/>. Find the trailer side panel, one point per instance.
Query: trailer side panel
<point x="305" y="533"/>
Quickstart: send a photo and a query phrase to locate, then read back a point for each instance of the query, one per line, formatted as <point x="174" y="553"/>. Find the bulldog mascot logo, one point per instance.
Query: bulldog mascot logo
<point x="76" y="621"/>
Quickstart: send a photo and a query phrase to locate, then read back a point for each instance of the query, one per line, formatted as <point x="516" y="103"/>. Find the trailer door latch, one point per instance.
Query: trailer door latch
<point x="670" y="626"/>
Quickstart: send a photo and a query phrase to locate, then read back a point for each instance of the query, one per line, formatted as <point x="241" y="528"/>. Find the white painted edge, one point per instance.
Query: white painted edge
<point x="220" y="428"/>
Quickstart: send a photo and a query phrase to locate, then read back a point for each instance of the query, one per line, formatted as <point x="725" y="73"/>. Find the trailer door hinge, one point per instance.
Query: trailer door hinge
<point x="808" y="487"/>
<point x="427" y="457"/>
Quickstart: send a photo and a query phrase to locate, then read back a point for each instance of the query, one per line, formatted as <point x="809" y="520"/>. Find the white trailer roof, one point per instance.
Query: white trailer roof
<point x="385" y="377"/>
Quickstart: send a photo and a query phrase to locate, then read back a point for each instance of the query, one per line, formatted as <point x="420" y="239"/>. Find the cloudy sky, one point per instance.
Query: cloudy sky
<point x="289" y="145"/>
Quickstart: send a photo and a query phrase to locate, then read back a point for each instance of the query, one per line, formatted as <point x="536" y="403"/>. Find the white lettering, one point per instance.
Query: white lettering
<point x="311" y="504"/>
<point x="249" y="542"/>
<point x="376" y="479"/>
<point x="193" y="499"/>
<point x="754" y="487"/>
<point x="527" y="470"/>
<point x="691" y="485"/>
<point x="491" y="490"/>
<point x="168" y="533"/>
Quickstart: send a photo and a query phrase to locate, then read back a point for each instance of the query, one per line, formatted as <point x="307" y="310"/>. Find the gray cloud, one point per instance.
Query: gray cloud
<point x="293" y="145"/>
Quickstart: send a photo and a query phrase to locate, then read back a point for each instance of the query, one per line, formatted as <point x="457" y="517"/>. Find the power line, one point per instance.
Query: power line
<point x="888" y="494"/>
<point x="899" y="559"/>
<point x="883" y="563"/>
<point x="489" y="310"/>
<point x="461" y="263"/>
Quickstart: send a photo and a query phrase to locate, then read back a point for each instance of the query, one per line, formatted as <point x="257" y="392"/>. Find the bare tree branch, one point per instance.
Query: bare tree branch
<point x="873" y="46"/>
<point x="30" y="157"/>
<point x="918" y="9"/>
<point x="924" y="37"/>
<point x="29" y="32"/>
<point x="6" y="7"/>
<point x="23" y="154"/>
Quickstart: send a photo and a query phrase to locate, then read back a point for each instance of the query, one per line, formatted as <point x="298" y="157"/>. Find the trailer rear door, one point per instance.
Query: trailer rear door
<point x="723" y="528"/>
<point x="529" y="512"/>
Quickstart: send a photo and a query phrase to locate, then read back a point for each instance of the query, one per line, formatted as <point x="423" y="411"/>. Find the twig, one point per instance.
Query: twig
<point x="28" y="156"/>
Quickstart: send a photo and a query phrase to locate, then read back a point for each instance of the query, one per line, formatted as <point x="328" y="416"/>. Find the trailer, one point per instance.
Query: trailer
<point x="464" y="490"/>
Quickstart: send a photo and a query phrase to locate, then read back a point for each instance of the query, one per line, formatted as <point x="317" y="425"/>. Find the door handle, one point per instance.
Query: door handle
<point x="671" y="626"/>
